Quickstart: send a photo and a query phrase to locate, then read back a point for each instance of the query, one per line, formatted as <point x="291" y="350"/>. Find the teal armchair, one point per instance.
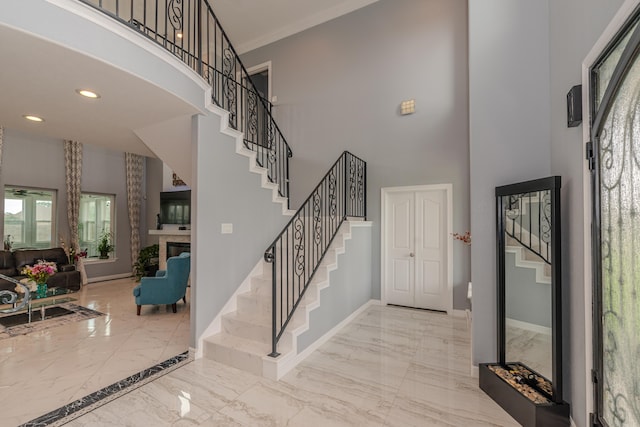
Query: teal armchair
<point x="168" y="287"/>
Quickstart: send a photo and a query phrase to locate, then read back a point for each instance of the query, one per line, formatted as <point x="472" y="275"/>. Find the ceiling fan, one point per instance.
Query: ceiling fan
<point x="21" y="192"/>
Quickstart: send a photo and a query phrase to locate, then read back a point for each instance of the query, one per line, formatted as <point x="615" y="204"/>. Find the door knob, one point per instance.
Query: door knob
<point x="411" y="254"/>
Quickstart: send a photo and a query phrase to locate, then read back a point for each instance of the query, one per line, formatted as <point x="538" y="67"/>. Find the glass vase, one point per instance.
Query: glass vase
<point x="42" y="290"/>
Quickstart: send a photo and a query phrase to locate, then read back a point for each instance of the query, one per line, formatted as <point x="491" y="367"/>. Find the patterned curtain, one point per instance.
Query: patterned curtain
<point x="134" y="165"/>
<point x="1" y="135"/>
<point x="73" y="176"/>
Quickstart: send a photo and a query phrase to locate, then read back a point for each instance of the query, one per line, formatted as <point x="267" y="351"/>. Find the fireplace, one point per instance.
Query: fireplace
<point x="176" y="248"/>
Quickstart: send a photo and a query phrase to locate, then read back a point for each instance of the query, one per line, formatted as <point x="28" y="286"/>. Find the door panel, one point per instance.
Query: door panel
<point x="616" y="197"/>
<point x="431" y="280"/>
<point x="416" y="252"/>
<point x="402" y="276"/>
<point x="400" y="265"/>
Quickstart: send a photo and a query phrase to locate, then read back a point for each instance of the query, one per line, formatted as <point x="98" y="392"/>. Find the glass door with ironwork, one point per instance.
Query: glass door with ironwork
<point x="614" y="154"/>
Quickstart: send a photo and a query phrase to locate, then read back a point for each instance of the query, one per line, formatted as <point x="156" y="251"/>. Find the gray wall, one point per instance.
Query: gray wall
<point x="509" y="132"/>
<point x="526" y="300"/>
<point x="575" y="25"/>
<point x="339" y="86"/>
<point x="350" y="288"/>
<point x="103" y="172"/>
<point x="225" y="192"/>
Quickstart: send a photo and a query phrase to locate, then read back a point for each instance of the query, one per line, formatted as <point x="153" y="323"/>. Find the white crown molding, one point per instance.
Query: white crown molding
<point x="303" y="24"/>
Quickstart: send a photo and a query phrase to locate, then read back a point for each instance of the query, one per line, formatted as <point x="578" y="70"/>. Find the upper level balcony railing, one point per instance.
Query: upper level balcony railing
<point x="190" y="30"/>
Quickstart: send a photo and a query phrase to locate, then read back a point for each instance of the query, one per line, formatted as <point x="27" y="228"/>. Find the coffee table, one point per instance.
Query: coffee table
<point x="54" y="296"/>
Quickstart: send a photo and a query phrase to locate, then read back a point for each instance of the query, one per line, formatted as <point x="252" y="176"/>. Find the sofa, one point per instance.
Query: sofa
<point x="12" y="263"/>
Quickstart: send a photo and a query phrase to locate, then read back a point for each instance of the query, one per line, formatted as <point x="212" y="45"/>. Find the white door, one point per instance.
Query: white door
<point x="416" y="261"/>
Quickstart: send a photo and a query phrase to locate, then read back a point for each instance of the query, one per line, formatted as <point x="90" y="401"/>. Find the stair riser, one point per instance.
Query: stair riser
<point x="256" y="304"/>
<point x="233" y="357"/>
<point x="240" y="328"/>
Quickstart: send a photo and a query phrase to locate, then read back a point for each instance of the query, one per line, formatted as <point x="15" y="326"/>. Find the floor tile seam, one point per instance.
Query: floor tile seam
<point x="122" y="392"/>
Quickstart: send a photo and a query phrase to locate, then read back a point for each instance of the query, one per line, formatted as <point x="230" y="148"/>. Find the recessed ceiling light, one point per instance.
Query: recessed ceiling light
<point x="87" y="93"/>
<point x="33" y="118"/>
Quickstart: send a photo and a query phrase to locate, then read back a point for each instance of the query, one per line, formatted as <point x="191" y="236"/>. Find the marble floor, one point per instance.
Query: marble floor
<point x="45" y="370"/>
<point x="389" y="367"/>
<point x="534" y="349"/>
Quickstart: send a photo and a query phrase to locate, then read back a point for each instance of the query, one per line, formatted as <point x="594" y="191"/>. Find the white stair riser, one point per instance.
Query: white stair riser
<point x="234" y="357"/>
<point x="252" y="303"/>
<point x="252" y="319"/>
<point x="239" y="327"/>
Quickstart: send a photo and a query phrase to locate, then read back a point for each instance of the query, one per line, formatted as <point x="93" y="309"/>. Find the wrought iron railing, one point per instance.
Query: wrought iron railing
<point x="297" y="252"/>
<point x="190" y="30"/>
<point x="528" y="221"/>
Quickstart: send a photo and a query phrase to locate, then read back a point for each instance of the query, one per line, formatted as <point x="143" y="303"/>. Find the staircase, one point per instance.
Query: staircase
<point x="525" y="258"/>
<point x="527" y="223"/>
<point x="245" y="339"/>
<point x="258" y="327"/>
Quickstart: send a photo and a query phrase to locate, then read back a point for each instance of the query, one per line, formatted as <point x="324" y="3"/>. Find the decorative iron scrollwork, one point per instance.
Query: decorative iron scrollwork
<point x="352" y="179"/>
<point x="360" y="182"/>
<point x="317" y="218"/>
<point x="545" y="222"/>
<point x="298" y="238"/>
<point x="529" y="222"/>
<point x="229" y="85"/>
<point x="333" y="197"/>
<point x="174" y="12"/>
<point x="252" y="117"/>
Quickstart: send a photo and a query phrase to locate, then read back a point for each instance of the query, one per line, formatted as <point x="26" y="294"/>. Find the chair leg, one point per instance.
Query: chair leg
<point x="174" y="306"/>
<point x="138" y="310"/>
<point x="184" y="298"/>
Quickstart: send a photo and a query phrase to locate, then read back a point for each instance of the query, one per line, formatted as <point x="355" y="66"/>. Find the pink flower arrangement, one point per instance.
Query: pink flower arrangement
<point x="464" y="238"/>
<point x="41" y="271"/>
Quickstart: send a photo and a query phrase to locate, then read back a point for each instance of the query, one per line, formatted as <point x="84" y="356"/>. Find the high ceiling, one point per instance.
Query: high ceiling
<point x="40" y="77"/>
<point x="254" y="23"/>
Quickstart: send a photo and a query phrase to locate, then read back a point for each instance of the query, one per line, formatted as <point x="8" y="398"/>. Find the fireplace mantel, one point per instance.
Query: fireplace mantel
<point x="170" y="232"/>
<point x="178" y="236"/>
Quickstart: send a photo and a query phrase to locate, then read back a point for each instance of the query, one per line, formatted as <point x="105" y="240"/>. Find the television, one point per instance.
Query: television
<point x="175" y="207"/>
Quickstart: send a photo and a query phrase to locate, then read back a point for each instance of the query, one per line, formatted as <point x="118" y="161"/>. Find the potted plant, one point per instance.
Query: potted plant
<point x="148" y="261"/>
<point x="105" y="245"/>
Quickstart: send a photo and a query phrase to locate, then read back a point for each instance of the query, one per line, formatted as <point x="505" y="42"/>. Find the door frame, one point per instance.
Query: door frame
<point x="265" y="66"/>
<point x="610" y="32"/>
<point x="384" y="200"/>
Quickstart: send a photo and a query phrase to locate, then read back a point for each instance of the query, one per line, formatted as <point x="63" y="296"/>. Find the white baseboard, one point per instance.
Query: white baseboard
<point x="112" y="277"/>
<point x="474" y="371"/>
<point x="294" y="361"/>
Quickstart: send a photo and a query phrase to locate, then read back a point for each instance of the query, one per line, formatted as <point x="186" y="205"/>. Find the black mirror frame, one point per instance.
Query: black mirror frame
<point x="552" y="184"/>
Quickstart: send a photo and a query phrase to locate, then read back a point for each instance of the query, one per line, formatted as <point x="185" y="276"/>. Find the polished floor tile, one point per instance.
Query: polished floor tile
<point x="389" y="367"/>
<point x="43" y="371"/>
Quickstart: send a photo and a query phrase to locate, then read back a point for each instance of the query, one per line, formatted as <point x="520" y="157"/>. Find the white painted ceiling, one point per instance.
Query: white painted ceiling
<point x="39" y="77"/>
<point x="254" y="23"/>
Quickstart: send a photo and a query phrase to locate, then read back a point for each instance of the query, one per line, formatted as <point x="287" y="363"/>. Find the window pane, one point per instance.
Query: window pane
<point x="29" y="216"/>
<point x="43" y="210"/>
<point x="620" y="241"/>
<point x="43" y="232"/>
<point x="95" y="219"/>
<point x="604" y="70"/>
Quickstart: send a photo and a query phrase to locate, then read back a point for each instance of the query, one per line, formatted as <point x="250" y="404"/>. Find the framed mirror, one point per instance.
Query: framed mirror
<point x="529" y="283"/>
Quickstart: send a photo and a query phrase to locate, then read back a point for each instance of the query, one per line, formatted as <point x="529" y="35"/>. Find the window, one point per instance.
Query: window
<point x="29" y="217"/>
<point x="96" y="218"/>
